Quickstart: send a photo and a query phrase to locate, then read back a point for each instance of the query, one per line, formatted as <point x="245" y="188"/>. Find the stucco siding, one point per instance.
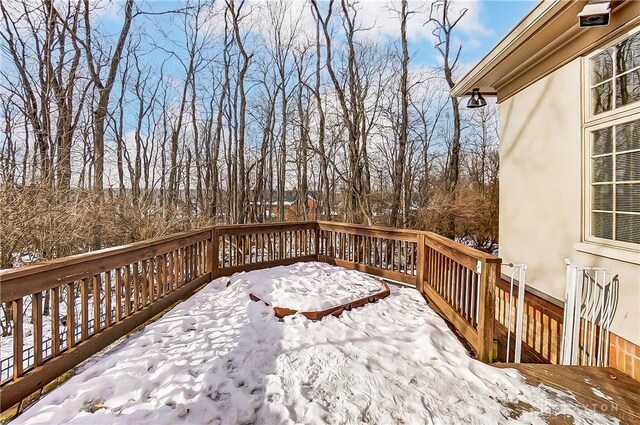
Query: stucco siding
<point x="541" y="191"/>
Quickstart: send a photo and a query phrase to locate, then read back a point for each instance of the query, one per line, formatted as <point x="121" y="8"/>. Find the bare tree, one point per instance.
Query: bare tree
<point x="444" y="24"/>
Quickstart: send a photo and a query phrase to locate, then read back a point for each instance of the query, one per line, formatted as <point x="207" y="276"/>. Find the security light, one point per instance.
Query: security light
<point x="476" y="100"/>
<point x="596" y="13"/>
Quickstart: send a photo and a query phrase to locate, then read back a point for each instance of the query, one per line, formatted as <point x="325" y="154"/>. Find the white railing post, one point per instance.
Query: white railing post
<point x="519" y="269"/>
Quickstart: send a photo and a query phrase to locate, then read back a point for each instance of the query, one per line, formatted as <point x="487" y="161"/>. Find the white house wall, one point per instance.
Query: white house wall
<point x="541" y="192"/>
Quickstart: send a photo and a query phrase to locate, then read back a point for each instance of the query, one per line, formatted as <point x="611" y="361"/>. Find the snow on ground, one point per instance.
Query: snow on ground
<point x="219" y="358"/>
<point x="307" y="286"/>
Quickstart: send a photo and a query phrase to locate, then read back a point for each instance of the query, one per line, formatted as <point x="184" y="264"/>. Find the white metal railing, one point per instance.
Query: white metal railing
<point x="520" y="271"/>
<point x="588" y="312"/>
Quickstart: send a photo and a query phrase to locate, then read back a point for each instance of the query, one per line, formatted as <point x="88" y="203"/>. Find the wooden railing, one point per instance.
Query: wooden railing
<point x="256" y="246"/>
<point x="98" y="297"/>
<point x="461" y="282"/>
<point x="95" y="299"/>
<point x="381" y="251"/>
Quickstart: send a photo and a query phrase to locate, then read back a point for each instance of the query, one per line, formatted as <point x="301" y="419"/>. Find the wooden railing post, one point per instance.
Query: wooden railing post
<point x="489" y="275"/>
<point x="420" y="262"/>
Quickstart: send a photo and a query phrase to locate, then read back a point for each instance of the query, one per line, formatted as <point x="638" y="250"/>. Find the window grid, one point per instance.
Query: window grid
<point x="615" y="75"/>
<point x="613" y="182"/>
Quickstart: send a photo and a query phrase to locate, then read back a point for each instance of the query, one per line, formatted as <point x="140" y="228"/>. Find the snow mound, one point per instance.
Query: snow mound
<point x="307" y="286"/>
<point x="219" y="358"/>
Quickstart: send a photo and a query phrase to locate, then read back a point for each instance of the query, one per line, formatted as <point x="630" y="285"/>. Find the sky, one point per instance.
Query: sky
<point x="485" y="24"/>
<point x="497" y="18"/>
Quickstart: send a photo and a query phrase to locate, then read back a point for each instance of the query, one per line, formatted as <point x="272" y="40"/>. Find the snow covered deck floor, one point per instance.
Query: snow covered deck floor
<point x="219" y="358"/>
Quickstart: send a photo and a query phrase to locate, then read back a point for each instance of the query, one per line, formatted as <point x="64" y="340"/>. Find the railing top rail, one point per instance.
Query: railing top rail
<point x="243" y="229"/>
<point x="411" y="233"/>
<point x="94" y="255"/>
<point x="466" y="250"/>
<point x="373" y="230"/>
<point x="15" y="283"/>
<point x="50" y="273"/>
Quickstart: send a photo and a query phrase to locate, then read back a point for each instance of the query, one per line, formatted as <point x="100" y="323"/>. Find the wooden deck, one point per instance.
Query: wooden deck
<point x="604" y="390"/>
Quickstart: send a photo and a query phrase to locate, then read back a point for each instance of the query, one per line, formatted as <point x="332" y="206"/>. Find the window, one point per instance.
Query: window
<point x="615" y="182"/>
<point x="612" y="144"/>
<point x="615" y="76"/>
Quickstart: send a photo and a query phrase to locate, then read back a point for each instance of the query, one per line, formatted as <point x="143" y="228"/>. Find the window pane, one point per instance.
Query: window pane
<point x="602" y="197"/>
<point x="603" y="141"/>
<point x="628" y="166"/>
<point x="628" y="228"/>
<point x="627" y="197"/>
<point x="628" y="56"/>
<point x="628" y="136"/>
<point x="628" y="88"/>
<point x="601" y="67"/>
<point x="602" y="225"/>
<point x="601" y="98"/>
<point x="603" y="169"/>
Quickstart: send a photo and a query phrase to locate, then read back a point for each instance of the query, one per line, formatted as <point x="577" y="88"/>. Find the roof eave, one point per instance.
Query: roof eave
<point x="532" y="22"/>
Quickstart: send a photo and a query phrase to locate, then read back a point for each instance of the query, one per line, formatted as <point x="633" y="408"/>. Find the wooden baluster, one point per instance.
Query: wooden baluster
<point x="255" y="245"/>
<point x="343" y="246"/>
<point x="436" y="279"/>
<point x="412" y="259"/>
<point x="97" y="283"/>
<point x="269" y="247"/>
<point x="107" y="298"/>
<point x="194" y="261"/>
<point x="236" y="252"/>
<point x="36" y="318"/>
<point x="200" y="270"/>
<point x="55" y="321"/>
<point x="173" y="284"/>
<point x="180" y="267"/>
<point x="84" y="309"/>
<point x="421" y="263"/>
<point x="262" y="245"/>
<point x="242" y="250"/>
<point x="118" y="282"/>
<point x="127" y="291"/>
<point x="136" y="287"/>
<point x="187" y="261"/>
<point x="166" y="274"/>
<point x="144" y="282"/>
<point x="195" y="253"/>
<point x="18" y="335"/>
<point x="356" y="248"/>
<point x="458" y="288"/>
<point x="406" y="258"/>
<point x="251" y="250"/>
<point x="153" y="275"/>
<point x="71" y="315"/>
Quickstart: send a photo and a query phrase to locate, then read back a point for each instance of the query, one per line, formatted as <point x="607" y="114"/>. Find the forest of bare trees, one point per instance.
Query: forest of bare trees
<point x="127" y="120"/>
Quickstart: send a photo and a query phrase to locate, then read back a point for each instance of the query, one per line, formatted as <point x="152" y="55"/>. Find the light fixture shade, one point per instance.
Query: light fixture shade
<point x="476" y="100"/>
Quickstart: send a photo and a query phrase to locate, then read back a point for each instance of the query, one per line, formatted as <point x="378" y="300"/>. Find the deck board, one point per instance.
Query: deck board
<point x="622" y="392"/>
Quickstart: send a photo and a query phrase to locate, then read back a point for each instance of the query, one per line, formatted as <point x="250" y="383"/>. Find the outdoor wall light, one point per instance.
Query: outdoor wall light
<point x="476" y="100"/>
<point x="596" y="13"/>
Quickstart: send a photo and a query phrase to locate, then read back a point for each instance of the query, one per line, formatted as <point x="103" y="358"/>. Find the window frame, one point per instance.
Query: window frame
<point x="589" y="116"/>
<point x="593" y="122"/>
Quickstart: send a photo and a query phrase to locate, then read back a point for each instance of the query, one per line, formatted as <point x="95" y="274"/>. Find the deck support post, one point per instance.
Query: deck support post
<point x="489" y="275"/>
